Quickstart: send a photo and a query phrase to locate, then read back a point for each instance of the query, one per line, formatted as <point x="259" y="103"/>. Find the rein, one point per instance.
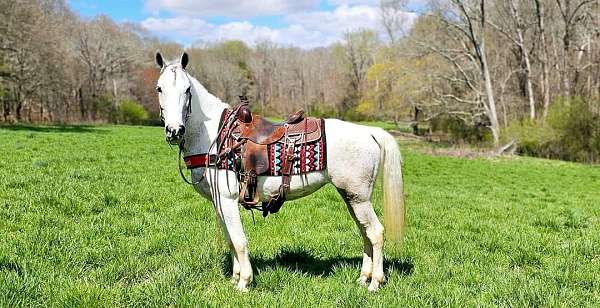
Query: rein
<point x="228" y="125"/>
<point x="180" y="156"/>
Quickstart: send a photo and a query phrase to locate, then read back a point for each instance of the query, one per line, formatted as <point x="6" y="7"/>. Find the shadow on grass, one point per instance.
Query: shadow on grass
<point x="54" y="129"/>
<point x="304" y="262"/>
<point x="6" y="265"/>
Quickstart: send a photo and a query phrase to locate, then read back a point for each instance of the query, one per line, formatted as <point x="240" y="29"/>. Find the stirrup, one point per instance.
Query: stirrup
<point x="248" y="189"/>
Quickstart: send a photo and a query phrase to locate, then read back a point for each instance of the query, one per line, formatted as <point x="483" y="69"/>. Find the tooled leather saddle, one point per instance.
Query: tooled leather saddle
<point x="253" y="146"/>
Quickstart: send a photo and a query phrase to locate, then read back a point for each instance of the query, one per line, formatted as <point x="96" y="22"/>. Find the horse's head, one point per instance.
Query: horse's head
<point x="175" y="96"/>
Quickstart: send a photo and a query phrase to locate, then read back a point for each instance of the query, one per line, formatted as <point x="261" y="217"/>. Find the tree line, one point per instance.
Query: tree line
<point x="481" y="70"/>
<point x="490" y="63"/>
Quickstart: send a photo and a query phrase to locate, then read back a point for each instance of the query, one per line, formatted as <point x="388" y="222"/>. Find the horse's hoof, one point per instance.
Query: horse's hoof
<point x="234" y="280"/>
<point x="373" y="287"/>
<point x="376" y="283"/>
<point x="242" y="288"/>
<point x="363" y="280"/>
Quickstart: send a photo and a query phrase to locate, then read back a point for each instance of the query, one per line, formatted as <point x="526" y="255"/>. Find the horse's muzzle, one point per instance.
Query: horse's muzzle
<point x="174" y="135"/>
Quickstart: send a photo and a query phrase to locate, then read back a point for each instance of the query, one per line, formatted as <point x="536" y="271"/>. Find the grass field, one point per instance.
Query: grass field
<point x="98" y="216"/>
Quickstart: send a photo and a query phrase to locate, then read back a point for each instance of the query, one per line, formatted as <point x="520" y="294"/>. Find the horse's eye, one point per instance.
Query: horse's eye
<point x="158" y="89"/>
<point x="188" y="90"/>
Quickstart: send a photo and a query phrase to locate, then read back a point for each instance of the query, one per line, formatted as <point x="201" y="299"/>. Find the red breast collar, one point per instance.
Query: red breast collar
<point x="200" y="160"/>
<point x="203" y="160"/>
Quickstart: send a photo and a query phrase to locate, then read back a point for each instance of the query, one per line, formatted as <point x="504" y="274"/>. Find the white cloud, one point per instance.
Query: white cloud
<point x="179" y="26"/>
<point x="196" y="29"/>
<point x="373" y="2"/>
<point x="237" y="8"/>
<point x="343" y="18"/>
<point x="305" y="29"/>
<point x="353" y="2"/>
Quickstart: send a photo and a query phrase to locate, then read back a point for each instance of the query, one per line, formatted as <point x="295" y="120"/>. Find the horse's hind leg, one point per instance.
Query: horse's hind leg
<point x="235" y="277"/>
<point x="353" y="173"/>
<point x="372" y="232"/>
<point x="366" y="269"/>
<point x="356" y="191"/>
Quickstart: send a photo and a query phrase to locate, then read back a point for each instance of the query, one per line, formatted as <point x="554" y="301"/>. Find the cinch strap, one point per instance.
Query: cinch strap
<point x="200" y="160"/>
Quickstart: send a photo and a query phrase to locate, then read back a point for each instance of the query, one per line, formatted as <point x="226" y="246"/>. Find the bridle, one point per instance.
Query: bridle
<point x="188" y="94"/>
<point x="188" y="113"/>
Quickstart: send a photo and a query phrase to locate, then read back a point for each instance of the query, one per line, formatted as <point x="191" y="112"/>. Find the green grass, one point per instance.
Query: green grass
<point x="98" y="216"/>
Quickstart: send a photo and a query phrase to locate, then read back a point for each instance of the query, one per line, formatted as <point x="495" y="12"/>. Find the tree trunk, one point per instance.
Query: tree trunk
<point x="545" y="83"/>
<point x="30" y="113"/>
<point x="115" y="103"/>
<point x="521" y="44"/>
<point x="415" y="125"/>
<point x="528" y="83"/>
<point x="19" y="109"/>
<point x="6" y="103"/>
<point x="492" y="114"/>
<point x="81" y="104"/>
<point x="529" y="86"/>
<point x="565" y="69"/>
<point x="489" y="91"/>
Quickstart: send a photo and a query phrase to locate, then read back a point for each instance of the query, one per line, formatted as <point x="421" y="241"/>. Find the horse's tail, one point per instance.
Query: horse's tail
<point x="393" y="187"/>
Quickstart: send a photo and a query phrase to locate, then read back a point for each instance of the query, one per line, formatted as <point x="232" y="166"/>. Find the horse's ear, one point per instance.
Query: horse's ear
<point x="159" y="60"/>
<point x="184" y="59"/>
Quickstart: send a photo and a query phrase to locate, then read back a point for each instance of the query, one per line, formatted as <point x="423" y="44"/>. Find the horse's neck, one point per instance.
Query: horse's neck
<point x="203" y="124"/>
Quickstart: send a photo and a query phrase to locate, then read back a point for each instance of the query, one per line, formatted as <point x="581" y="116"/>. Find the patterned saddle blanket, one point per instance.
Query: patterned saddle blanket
<point x="252" y="146"/>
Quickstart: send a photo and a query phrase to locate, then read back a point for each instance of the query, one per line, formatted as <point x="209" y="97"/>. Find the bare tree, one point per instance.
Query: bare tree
<point x="571" y="13"/>
<point x="512" y="25"/>
<point x="466" y="24"/>
<point x="107" y="52"/>
<point x="31" y="54"/>
<point x="540" y="14"/>
<point x="356" y="55"/>
<point x="393" y="18"/>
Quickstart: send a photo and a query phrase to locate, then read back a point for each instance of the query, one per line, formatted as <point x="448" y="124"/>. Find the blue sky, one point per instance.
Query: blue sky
<point x="304" y="23"/>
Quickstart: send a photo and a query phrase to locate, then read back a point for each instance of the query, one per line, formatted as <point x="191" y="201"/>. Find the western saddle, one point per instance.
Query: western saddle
<point x="245" y="137"/>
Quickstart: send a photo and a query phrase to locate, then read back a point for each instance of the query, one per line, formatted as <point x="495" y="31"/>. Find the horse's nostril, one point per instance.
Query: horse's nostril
<point x="170" y="132"/>
<point x="174" y="132"/>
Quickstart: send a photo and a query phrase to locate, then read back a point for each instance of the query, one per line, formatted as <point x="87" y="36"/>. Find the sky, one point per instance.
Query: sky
<point x="302" y="23"/>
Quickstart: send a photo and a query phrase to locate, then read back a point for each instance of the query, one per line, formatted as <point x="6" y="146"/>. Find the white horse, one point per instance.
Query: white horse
<point x="354" y="155"/>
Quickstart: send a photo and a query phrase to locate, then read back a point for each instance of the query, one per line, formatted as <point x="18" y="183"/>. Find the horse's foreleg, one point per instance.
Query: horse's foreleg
<point x="231" y="223"/>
